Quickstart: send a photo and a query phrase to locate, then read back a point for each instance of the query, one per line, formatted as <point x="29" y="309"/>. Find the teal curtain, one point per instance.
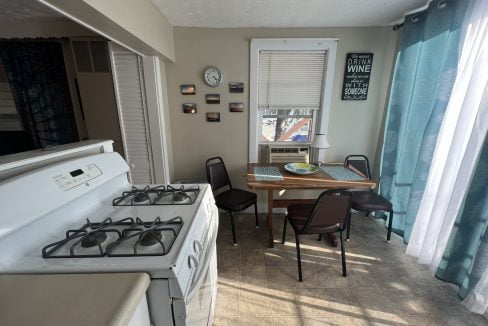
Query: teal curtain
<point x="466" y="256"/>
<point x="424" y="75"/>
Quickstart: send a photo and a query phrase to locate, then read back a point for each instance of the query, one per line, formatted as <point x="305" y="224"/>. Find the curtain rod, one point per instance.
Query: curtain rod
<point x="396" y="27"/>
<point x="401" y="21"/>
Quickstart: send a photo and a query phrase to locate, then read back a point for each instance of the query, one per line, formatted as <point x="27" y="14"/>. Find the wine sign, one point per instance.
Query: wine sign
<point x="356" y="76"/>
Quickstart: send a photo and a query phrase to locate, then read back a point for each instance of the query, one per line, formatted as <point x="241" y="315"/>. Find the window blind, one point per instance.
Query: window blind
<point x="290" y="79"/>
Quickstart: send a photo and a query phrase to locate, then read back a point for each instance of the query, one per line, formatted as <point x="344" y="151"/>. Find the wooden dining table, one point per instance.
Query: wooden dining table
<point x="290" y="181"/>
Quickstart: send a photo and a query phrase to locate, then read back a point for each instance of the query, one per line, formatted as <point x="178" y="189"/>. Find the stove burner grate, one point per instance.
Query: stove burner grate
<point x="156" y="195"/>
<point x="150" y="236"/>
<point x="94" y="235"/>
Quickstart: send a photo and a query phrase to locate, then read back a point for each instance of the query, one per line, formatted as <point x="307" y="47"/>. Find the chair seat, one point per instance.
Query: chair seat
<point x="235" y="199"/>
<point x="368" y="201"/>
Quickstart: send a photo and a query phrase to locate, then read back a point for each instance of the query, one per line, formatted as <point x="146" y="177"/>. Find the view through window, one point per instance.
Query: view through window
<point x="294" y="125"/>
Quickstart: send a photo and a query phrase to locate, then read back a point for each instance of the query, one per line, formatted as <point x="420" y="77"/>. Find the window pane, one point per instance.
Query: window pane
<point x="292" y="125"/>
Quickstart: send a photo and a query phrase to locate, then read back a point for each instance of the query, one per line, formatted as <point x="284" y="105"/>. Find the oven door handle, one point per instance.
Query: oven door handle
<point x="196" y="284"/>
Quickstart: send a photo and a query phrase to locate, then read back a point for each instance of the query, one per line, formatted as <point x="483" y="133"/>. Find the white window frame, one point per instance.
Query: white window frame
<point x="321" y="118"/>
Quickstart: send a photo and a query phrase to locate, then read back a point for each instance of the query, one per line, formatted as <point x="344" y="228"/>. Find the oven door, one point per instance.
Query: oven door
<point x="198" y="308"/>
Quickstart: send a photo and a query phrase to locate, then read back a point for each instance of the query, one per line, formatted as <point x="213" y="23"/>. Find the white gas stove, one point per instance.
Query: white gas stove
<point x="83" y="216"/>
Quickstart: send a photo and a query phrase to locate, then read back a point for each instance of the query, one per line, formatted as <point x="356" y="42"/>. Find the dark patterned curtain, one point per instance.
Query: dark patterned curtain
<point x="37" y="77"/>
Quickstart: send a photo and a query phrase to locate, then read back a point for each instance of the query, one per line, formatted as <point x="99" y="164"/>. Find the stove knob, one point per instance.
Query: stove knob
<point x="197" y="246"/>
<point x="192" y="262"/>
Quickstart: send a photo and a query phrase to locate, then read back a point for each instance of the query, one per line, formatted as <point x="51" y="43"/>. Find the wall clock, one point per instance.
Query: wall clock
<point x="212" y="76"/>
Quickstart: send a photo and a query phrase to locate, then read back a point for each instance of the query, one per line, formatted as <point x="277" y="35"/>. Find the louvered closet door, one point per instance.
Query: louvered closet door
<point x="129" y="87"/>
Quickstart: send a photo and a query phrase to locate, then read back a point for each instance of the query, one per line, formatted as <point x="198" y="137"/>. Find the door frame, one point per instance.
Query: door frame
<point x="155" y="105"/>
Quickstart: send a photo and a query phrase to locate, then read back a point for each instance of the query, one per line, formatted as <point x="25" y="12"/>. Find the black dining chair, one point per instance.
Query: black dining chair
<point x="231" y="199"/>
<point x="367" y="200"/>
<point x="329" y="213"/>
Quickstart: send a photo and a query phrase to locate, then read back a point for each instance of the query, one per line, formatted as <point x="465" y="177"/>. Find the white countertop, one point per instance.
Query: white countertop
<point x="71" y="299"/>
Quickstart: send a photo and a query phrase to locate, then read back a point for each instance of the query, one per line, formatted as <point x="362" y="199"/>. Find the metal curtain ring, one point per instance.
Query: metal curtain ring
<point x="415" y="19"/>
<point x="442" y="4"/>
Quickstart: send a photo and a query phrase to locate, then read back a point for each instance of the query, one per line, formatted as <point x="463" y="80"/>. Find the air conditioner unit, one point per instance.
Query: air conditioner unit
<point x="288" y="153"/>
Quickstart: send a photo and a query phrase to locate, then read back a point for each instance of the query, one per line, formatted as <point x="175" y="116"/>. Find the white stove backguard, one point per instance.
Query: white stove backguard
<point x="28" y="197"/>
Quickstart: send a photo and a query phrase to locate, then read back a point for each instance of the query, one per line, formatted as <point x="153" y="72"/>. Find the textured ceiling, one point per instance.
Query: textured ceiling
<point x="284" y="13"/>
<point x="16" y="10"/>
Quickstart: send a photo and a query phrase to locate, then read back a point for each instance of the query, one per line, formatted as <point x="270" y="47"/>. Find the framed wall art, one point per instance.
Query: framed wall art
<point x="235" y="87"/>
<point x="356" y="76"/>
<point x="236" y="107"/>
<point x="190" y="108"/>
<point x="188" y="89"/>
<point x="213" y="116"/>
<point x="212" y="98"/>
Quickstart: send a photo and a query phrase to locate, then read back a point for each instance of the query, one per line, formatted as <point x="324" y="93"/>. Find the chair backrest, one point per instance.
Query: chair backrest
<point x="217" y="173"/>
<point x="330" y="212"/>
<point x="358" y="163"/>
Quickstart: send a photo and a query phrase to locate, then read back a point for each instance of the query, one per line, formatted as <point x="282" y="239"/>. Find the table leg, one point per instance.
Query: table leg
<point x="270" y="219"/>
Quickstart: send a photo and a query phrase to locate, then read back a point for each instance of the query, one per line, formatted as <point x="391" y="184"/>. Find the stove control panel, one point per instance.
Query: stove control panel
<point x="71" y="179"/>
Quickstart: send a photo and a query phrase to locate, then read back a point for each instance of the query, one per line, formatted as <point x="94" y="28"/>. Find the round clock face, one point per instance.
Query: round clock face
<point x="212" y="76"/>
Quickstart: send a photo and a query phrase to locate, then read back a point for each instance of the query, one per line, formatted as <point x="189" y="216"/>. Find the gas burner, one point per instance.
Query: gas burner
<point x="141" y="197"/>
<point x="150" y="238"/>
<point x="93" y="239"/>
<point x="180" y="197"/>
<point x="158" y="195"/>
<point x="123" y="238"/>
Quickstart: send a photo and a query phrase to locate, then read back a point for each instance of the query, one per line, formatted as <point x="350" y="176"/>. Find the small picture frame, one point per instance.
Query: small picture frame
<point x="213" y="116"/>
<point x="236" y="87"/>
<point x="190" y="108"/>
<point x="236" y="107"/>
<point x="188" y="89"/>
<point x="212" y="98"/>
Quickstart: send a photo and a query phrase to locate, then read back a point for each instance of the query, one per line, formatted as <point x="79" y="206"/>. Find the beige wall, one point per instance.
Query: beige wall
<point x="354" y="125"/>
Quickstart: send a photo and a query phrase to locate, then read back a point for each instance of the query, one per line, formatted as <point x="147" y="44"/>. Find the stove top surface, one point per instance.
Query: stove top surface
<point x="18" y="255"/>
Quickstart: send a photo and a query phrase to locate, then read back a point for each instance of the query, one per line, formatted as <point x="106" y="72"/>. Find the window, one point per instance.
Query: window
<point x="289" y="79"/>
<point x="289" y="89"/>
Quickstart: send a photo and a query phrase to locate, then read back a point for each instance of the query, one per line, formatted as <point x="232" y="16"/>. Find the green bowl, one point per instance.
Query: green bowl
<point x="301" y="168"/>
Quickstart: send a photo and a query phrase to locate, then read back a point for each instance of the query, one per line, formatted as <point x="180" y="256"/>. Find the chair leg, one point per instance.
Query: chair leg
<point x="299" y="260"/>
<point x="284" y="231"/>
<point x="390" y="224"/>
<point x="233" y="228"/>
<point x="320" y="237"/>
<point x="256" y="214"/>
<point x="343" y="254"/>
<point x="348" y="226"/>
